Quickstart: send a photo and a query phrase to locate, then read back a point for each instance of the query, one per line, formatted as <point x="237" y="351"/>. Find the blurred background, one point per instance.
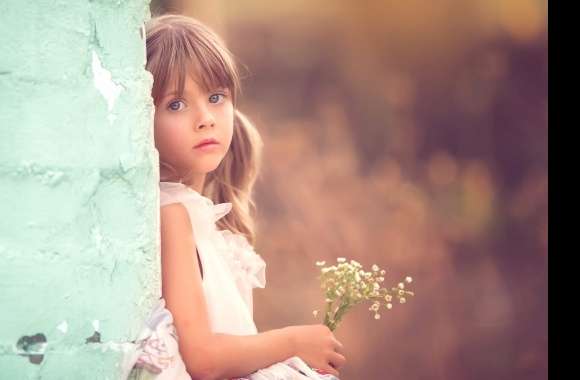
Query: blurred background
<point x="411" y="134"/>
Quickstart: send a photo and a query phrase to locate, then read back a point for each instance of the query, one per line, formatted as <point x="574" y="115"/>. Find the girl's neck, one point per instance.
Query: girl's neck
<point x="194" y="181"/>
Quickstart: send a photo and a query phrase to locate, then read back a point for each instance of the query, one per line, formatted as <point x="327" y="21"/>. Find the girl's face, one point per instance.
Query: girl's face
<point x="181" y="123"/>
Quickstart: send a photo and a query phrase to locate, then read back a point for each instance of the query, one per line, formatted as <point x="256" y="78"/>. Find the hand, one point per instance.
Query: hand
<point x="317" y="346"/>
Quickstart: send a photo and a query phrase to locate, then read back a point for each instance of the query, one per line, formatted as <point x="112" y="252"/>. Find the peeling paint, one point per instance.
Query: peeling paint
<point x="95" y="338"/>
<point x="32" y="347"/>
<point x="104" y="83"/>
<point x="63" y="327"/>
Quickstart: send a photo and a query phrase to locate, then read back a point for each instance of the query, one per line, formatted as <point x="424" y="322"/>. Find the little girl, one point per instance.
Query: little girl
<point x="209" y="152"/>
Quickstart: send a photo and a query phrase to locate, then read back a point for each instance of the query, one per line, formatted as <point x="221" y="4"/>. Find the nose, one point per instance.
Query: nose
<point x="205" y="119"/>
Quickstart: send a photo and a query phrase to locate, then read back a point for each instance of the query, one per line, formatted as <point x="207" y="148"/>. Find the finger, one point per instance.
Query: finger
<point x="331" y="370"/>
<point x="338" y="347"/>
<point x="337" y="360"/>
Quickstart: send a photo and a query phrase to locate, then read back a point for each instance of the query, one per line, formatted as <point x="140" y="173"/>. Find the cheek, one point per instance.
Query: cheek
<point x="229" y="124"/>
<point x="157" y="129"/>
<point x="160" y="135"/>
<point x="167" y="136"/>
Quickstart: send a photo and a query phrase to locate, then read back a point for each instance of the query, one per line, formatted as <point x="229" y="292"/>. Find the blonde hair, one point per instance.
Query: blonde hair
<point x="178" y="45"/>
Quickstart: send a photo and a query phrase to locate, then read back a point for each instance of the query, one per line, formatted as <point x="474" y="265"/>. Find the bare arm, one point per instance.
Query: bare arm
<point x="241" y="355"/>
<point x="207" y="355"/>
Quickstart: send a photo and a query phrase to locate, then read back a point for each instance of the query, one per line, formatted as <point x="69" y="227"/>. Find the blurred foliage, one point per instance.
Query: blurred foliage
<point x="412" y="135"/>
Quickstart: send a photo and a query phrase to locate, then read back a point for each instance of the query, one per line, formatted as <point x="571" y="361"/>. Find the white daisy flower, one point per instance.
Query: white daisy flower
<point x="355" y="263"/>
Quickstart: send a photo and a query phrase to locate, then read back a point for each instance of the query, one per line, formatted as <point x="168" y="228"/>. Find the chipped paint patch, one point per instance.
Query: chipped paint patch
<point x="63" y="327"/>
<point x="104" y="83"/>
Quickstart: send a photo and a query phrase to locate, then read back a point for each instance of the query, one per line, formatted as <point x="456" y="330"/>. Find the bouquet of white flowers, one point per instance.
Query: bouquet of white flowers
<point x="347" y="284"/>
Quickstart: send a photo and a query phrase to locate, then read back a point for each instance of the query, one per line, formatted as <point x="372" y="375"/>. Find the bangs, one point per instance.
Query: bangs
<point x="173" y="53"/>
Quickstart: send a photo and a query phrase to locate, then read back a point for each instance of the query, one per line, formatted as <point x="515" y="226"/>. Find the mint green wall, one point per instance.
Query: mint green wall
<point x="78" y="187"/>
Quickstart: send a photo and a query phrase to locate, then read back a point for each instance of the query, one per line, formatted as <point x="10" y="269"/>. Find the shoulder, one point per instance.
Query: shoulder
<point x="175" y="220"/>
<point x="173" y="209"/>
<point x="174" y="212"/>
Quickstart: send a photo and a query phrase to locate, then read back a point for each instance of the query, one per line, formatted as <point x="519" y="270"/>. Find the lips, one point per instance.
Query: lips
<point x="206" y="142"/>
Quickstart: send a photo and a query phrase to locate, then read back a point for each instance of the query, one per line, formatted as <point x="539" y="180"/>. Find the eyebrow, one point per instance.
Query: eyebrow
<point x="172" y="93"/>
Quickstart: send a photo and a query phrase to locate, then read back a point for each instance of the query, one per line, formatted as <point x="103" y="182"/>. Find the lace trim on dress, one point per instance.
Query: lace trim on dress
<point x="244" y="262"/>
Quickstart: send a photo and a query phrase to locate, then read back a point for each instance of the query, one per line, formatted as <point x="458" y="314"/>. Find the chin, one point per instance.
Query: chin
<point x="209" y="166"/>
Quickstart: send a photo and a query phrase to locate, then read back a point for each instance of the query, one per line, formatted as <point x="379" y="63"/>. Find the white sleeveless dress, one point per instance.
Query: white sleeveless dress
<point x="231" y="269"/>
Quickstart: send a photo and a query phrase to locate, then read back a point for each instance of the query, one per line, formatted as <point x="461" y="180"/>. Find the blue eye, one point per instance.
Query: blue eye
<point x="172" y="105"/>
<point x="215" y="98"/>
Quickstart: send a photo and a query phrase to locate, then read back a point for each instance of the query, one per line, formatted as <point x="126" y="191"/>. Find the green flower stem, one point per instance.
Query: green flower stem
<point x="339" y="313"/>
<point x="327" y="319"/>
